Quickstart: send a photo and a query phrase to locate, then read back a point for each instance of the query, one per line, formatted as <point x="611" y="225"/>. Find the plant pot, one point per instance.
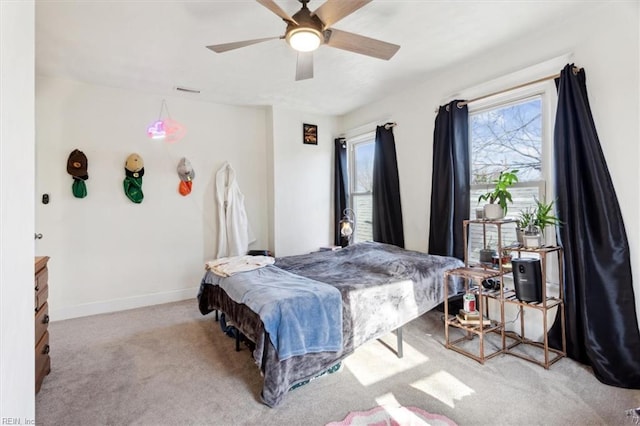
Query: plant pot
<point x="532" y="240"/>
<point x="480" y="213"/>
<point x="493" y="211"/>
<point x="520" y="236"/>
<point x="495" y="260"/>
<point x="486" y="255"/>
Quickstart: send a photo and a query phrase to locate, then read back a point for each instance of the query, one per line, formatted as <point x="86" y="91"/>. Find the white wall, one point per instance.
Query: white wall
<point x="303" y="183"/>
<point x="16" y="210"/>
<point x="605" y="41"/>
<point x="108" y="253"/>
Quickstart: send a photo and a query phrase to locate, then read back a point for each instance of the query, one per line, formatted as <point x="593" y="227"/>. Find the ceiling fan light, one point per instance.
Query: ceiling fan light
<point x="304" y="39"/>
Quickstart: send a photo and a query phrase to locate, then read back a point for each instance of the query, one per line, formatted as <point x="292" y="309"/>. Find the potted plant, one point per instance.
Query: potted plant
<point x="501" y="260"/>
<point x="486" y="254"/>
<point x="499" y="196"/>
<point x="525" y="219"/>
<point x="543" y="217"/>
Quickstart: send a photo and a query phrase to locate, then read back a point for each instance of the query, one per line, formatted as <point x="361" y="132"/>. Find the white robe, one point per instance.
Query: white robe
<point x="234" y="232"/>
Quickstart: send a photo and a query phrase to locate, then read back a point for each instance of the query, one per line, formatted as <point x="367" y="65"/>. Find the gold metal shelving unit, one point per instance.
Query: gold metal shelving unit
<point x="471" y="276"/>
<point x="474" y="275"/>
<point x="551" y="355"/>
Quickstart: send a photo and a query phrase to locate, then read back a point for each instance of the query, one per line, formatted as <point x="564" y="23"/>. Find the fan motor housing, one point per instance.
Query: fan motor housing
<point x="306" y="22"/>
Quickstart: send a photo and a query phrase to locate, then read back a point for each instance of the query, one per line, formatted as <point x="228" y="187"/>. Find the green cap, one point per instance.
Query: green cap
<point x="133" y="189"/>
<point x="79" y="188"/>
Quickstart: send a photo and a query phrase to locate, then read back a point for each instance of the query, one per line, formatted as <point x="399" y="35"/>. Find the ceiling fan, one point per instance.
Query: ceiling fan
<point x="307" y="30"/>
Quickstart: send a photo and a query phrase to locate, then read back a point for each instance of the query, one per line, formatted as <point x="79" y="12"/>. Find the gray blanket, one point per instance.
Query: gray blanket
<point x="382" y="287"/>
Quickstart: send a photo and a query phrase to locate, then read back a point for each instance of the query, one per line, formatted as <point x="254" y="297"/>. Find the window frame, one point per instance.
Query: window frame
<point x="547" y="93"/>
<point x="352" y="144"/>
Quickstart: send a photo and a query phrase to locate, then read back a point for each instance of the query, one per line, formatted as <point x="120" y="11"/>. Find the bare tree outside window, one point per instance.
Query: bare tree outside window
<point x="507" y="138"/>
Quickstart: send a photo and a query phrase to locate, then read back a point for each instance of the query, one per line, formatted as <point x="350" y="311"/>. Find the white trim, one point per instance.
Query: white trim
<point x="352" y="143"/>
<point x="549" y="106"/>
<point x="116" y="305"/>
<point x="531" y="73"/>
<point x="362" y="137"/>
<point x="511" y="97"/>
<point x="364" y="129"/>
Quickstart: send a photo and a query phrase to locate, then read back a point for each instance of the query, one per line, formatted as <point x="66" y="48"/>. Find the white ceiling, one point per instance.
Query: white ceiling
<point x="155" y="46"/>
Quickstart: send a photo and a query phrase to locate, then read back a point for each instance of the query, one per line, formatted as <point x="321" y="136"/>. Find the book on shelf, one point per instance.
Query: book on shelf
<point x="473" y="315"/>
<point x="463" y="321"/>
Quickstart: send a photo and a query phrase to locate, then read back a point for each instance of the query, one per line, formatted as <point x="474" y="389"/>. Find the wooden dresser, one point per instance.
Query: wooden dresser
<point x="43" y="362"/>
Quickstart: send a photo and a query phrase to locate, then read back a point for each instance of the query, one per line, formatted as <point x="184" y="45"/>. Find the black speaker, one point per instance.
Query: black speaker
<point x="527" y="278"/>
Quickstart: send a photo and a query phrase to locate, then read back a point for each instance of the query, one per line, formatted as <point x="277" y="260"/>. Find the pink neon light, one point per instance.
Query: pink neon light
<point x="168" y="129"/>
<point x="157" y="130"/>
<point x="174" y="130"/>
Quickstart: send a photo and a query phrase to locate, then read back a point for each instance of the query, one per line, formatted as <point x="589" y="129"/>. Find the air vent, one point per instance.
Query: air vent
<point x="186" y="89"/>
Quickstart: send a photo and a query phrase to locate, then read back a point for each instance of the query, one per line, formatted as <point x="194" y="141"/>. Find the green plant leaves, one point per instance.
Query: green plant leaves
<point x="501" y="193"/>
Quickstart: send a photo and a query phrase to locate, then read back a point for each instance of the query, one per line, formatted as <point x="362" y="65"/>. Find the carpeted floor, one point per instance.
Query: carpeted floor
<point x="168" y="365"/>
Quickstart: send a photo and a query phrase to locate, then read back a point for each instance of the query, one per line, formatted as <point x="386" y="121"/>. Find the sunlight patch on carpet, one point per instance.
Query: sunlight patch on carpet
<point x="374" y="361"/>
<point x="444" y="387"/>
<point x="388" y="399"/>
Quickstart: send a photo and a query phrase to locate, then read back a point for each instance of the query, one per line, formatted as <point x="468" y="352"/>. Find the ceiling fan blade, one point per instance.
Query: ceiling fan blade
<point x="360" y="44"/>
<point x="334" y="10"/>
<point x="304" y="67"/>
<point x="219" y="48"/>
<point x="272" y="6"/>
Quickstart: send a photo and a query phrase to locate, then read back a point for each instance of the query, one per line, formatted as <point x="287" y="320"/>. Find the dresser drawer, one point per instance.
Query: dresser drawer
<point x="41" y="297"/>
<point x="43" y="362"/>
<point x="41" y="288"/>
<point x="42" y="321"/>
<point x="42" y="277"/>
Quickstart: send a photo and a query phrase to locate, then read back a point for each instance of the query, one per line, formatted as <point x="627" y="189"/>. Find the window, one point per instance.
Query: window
<point x="513" y="132"/>
<point x="360" y="160"/>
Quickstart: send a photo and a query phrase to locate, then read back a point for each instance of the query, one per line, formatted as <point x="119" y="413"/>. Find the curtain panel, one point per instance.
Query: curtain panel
<point x="598" y="288"/>
<point x="341" y="189"/>
<point x="450" y="181"/>
<point x="387" y="209"/>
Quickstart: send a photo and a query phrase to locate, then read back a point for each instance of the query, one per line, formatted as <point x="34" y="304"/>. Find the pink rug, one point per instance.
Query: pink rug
<point x="394" y="416"/>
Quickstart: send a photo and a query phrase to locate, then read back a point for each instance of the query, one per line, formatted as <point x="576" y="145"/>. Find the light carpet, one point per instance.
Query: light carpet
<point x="169" y="365"/>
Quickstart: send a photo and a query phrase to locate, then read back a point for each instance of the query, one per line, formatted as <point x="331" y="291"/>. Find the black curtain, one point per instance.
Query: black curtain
<point x="387" y="211"/>
<point x="341" y="189"/>
<point x="450" y="181"/>
<point x="598" y="288"/>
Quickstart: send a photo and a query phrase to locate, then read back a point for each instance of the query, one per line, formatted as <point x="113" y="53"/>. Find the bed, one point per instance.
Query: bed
<point x="380" y="287"/>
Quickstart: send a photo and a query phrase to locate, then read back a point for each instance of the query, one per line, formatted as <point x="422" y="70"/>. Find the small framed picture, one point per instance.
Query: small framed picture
<point x="310" y="134"/>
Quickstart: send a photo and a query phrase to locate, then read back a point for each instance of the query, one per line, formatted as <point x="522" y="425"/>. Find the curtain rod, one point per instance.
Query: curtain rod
<point x="366" y="128"/>
<point x="519" y="86"/>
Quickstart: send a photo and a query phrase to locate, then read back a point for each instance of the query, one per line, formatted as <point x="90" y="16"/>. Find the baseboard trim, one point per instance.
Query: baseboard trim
<point x="116" y="305"/>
